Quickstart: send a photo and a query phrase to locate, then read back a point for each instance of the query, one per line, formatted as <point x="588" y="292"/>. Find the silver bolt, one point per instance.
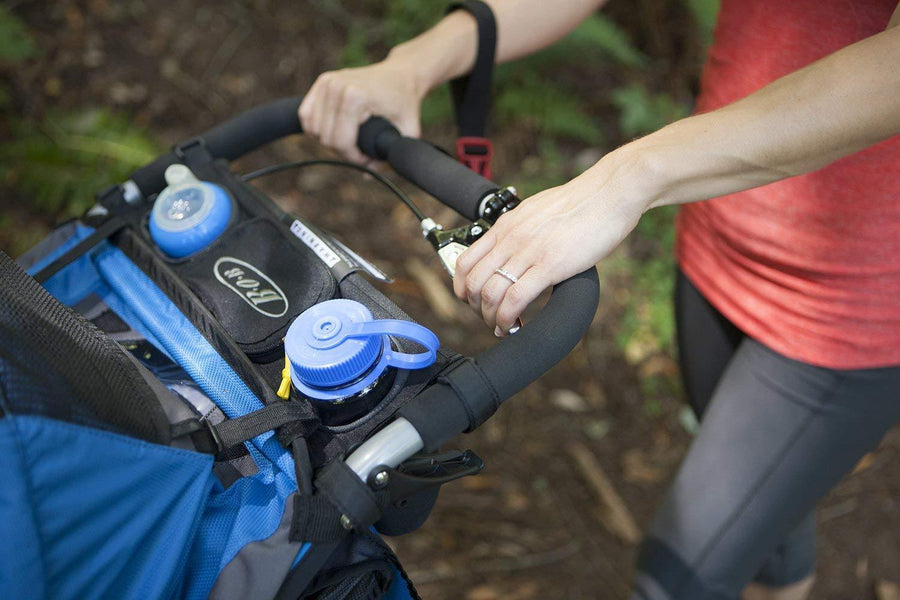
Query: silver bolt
<point x="381" y="479"/>
<point x="476" y="230"/>
<point x="345" y="522"/>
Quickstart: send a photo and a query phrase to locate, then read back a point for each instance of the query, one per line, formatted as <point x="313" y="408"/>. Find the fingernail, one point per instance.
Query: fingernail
<point x="498" y="332"/>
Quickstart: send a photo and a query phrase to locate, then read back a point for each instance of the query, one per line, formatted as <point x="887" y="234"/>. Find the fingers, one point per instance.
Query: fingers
<point x="499" y="284"/>
<point x="517" y="298"/>
<point x="351" y="113"/>
<point x="477" y="265"/>
<point x="312" y="108"/>
<point x="340" y="101"/>
<point x="468" y="260"/>
<point x="332" y="112"/>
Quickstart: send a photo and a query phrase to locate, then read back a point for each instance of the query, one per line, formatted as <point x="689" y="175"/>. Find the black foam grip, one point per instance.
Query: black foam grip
<point x="439" y="414"/>
<point x="232" y="139"/>
<point x="440" y="175"/>
<point x="429" y="168"/>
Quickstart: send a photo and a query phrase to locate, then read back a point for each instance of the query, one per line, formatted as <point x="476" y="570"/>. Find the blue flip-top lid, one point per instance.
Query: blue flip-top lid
<point x="188" y="214"/>
<point x="337" y="349"/>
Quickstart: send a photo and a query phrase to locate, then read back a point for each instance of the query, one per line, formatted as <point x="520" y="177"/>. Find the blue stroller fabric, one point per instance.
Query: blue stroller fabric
<point x="97" y="514"/>
<point x="92" y="514"/>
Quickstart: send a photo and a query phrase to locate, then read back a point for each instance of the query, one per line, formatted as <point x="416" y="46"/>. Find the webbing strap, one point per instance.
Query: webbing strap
<point x="232" y="432"/>
<point x="472" y="92"/>
<point x="102" y="232"/>
<point x="474" y="390"/>
<point x="315" y="520"/>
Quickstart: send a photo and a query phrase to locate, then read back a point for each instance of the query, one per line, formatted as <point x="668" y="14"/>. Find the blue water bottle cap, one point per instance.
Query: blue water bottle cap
<point x="336" y="349"/>
<point x="188" y="214"/>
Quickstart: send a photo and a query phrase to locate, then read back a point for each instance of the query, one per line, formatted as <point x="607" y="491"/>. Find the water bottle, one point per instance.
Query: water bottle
<point x="341" y="359"/>
<point x="188" y="214"/>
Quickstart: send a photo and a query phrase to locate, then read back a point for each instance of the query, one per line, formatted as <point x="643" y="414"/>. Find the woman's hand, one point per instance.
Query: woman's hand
<point x="340" y="101"/>
<point x="548" y="238"/>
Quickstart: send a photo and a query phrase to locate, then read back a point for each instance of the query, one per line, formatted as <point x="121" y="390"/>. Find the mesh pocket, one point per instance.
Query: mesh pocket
<point x="56" y="364"/>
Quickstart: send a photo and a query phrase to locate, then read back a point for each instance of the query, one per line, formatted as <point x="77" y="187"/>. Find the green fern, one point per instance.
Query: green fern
<point x="705" y="13"/>
<point x="406" y="19"/>
<point x="601" y="33"/>
<point x="63" y="161"/>
<point x="641" y="112"/>
<point x="525" y="97"/>
<point x="16" y="44"/>
<point x="355" y="52"/>
<point x="649" y="315"/>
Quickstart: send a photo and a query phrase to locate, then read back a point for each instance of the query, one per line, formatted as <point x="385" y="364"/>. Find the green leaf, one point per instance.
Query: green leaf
<point x="355" y="52"/>
<point x="529" y="99"/>
<point x="705" y="13"/>
<point x="641" y="112"/>
<point x="16" y="44"/>
<point x="63" y="161"/>
<point x="408" y="18"/>
<point x="602" y="33"/>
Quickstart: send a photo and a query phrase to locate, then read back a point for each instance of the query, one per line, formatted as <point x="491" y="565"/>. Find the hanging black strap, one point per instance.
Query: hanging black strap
<point x="102" y="232"/>
<point x="235" y="431"/>
<point x="231" y="432"/>
<point x="472" y="92"/>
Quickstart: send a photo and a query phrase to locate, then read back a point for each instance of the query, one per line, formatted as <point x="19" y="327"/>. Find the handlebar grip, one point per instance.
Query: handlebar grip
<point x="426" y="166"/>
<point x="232" y="139"/>
<point x="439" y="413"/>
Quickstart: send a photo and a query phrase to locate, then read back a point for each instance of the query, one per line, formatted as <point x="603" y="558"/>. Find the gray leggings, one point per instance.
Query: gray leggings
<point x="776" y="434"/>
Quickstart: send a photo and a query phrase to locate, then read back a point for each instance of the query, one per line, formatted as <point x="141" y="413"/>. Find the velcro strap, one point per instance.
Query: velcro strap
<point x="349" y="494"/>
<point x="315" y="520"/>
<point x="474" y="390"/>
<point x="235" y="431"/>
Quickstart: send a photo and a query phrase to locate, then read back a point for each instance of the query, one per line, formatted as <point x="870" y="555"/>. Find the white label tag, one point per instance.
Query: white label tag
<point x="315" y="243"/>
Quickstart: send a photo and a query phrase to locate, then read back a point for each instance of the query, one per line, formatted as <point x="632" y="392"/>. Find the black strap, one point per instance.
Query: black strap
<point x="240" y="429"/>
<point x="474" y="390"/>
<point x="472" y="92"/>
<point x="315" y="520"/>
<point x="102" y="232"/>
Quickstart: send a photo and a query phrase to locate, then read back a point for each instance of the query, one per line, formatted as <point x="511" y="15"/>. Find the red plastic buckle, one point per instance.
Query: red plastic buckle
<point x="476" y="153"/>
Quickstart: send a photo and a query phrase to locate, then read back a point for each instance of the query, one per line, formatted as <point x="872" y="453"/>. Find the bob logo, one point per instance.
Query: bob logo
<point x="255" y="288"/>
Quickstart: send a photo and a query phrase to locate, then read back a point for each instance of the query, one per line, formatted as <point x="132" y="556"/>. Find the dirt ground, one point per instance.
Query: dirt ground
<point x="530" y="527"/>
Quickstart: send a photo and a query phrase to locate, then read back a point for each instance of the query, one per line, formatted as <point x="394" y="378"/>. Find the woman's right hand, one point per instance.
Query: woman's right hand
<point x="340" y="101"/>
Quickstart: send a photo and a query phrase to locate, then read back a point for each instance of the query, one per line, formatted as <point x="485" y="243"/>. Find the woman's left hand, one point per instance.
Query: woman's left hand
<point x="548" y="238"/>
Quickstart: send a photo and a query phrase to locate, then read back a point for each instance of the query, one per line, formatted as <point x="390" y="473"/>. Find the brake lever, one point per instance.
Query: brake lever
<point x="451" y="243"/>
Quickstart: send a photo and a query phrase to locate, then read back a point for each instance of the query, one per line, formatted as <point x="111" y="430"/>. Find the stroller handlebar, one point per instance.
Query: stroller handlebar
<point x="439" y="413"/>
<point x="230" y="140"/>
<point x="428" y="167"/>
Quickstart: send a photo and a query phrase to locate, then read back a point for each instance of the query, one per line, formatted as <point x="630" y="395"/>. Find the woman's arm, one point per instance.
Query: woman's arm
<point x="799" y="123"/>
<point x="339" y="101"/>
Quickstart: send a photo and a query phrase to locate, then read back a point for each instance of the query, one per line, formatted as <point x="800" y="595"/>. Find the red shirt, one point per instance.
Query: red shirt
<point x="808" y="266"/>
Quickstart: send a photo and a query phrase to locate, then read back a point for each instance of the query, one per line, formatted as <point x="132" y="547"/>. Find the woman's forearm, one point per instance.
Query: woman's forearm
<point x="447" y="50"/>
<point x="797" y="124"/>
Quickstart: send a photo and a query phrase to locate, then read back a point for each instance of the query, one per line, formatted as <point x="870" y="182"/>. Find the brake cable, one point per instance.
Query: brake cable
<point x="340" y="163"/>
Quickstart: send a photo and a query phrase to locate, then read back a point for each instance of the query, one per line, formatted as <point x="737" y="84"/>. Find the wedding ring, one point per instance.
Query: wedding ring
<point x="507" y="275"/>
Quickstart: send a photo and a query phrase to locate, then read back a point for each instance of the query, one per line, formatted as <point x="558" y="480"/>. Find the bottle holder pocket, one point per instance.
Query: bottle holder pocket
<point x="255" y="281"/>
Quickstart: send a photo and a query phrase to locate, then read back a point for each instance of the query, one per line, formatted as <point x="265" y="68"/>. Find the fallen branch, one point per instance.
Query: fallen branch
<point x="614" y="515"/>
<point x="437" y="294"/>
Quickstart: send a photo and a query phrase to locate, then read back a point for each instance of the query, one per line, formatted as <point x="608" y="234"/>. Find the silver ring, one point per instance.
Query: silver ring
<point x="507" y="275"/>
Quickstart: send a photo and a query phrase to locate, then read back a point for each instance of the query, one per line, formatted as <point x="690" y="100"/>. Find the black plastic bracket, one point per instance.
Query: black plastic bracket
<point x="424" y="472"/>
